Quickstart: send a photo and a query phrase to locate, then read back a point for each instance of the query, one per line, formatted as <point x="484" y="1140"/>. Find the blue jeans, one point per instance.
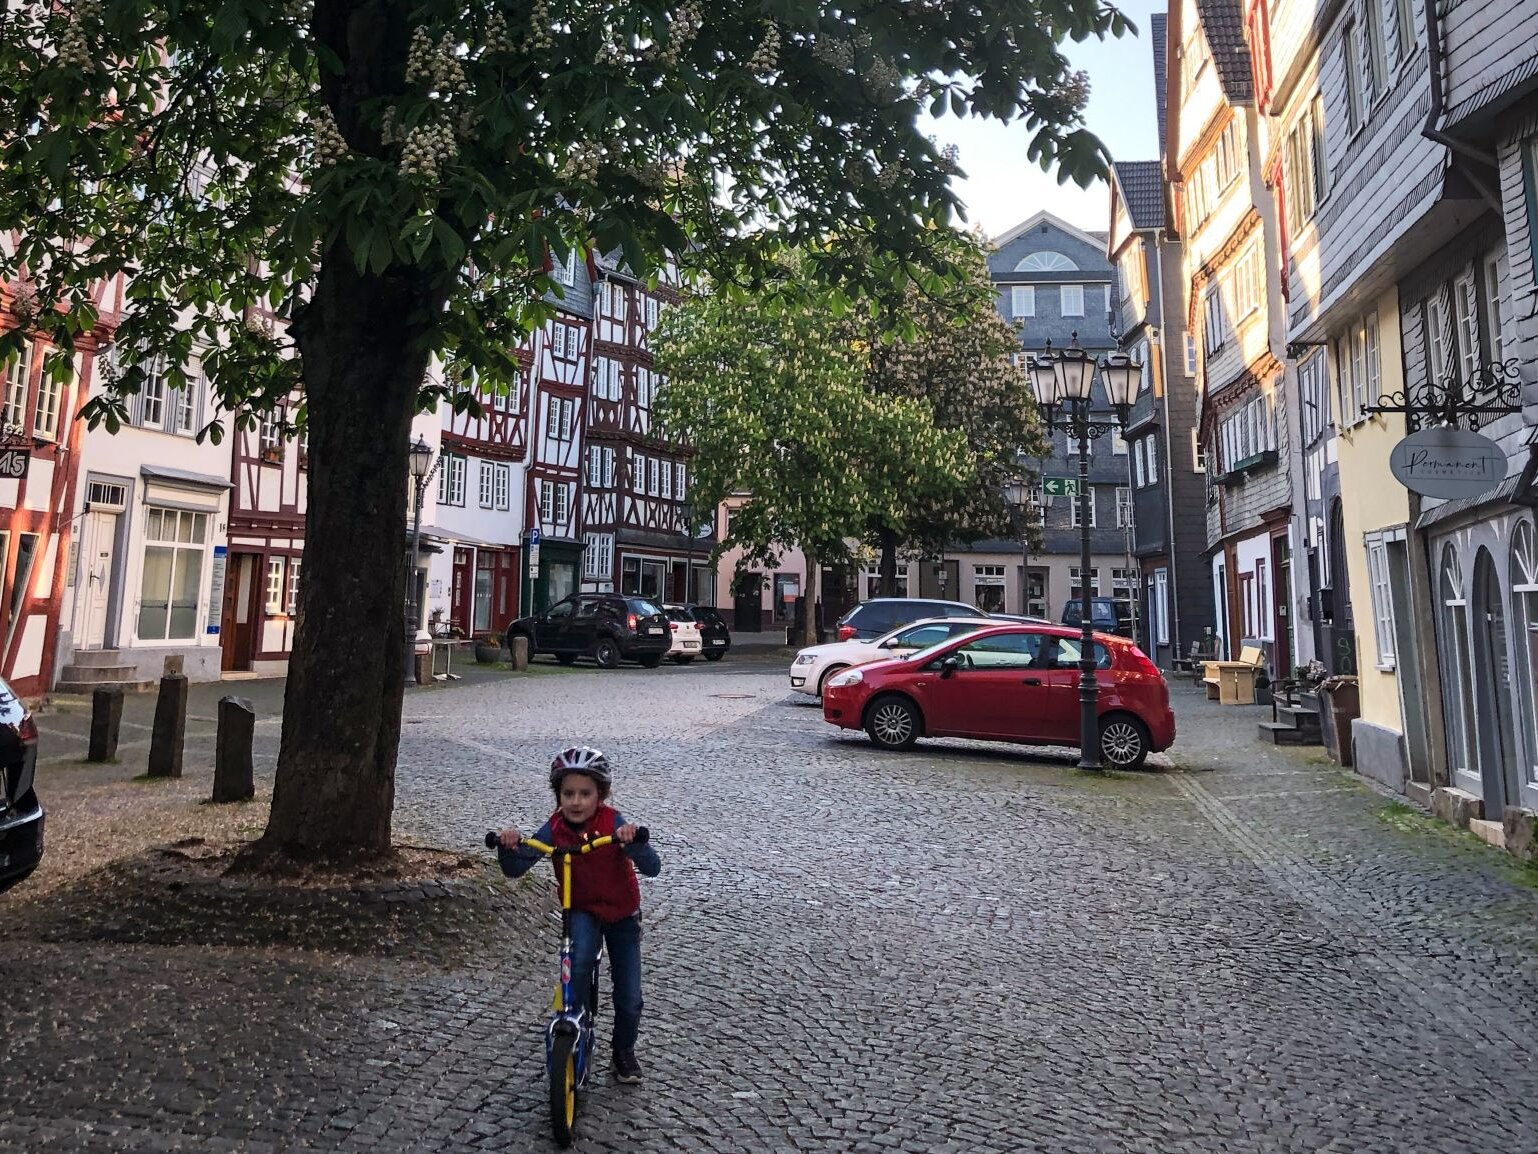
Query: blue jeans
<point x="624" y="941"/>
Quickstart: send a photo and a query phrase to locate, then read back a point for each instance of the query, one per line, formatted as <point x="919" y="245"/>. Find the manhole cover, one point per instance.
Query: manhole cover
<point x="734" y="696"/>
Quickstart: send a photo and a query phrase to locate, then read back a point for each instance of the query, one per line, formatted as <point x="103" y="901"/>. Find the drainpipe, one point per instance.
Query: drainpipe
<point x="1176" y="642"/>
<point x="1438" y="104"/>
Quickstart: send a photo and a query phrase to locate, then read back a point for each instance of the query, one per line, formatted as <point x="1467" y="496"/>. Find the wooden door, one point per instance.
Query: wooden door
<point x="461" y="592"/>
<point x="239" y="618"/>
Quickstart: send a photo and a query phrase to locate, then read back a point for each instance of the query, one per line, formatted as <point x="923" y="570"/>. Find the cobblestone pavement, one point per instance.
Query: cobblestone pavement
<point x="963" y="948"/>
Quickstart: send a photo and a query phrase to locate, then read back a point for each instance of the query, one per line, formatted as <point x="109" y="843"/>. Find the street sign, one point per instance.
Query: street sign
<point x="534" y="541"/>
<point x="1060" y="486"/>
<point x="1443" y="462"/>
<point x="534" y="556"/>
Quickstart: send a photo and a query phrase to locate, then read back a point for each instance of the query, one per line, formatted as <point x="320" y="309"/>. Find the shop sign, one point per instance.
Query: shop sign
<point x="15" y="455"/>
<point x="1448" y="462"/>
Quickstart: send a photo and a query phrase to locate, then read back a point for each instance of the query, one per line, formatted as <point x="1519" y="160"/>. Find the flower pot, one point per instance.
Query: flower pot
<point x="487" y="652"/>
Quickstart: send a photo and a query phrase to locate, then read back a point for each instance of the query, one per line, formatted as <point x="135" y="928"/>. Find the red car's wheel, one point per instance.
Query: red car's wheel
<point x="1124" y="741"/>
<point x="893" y="722"/>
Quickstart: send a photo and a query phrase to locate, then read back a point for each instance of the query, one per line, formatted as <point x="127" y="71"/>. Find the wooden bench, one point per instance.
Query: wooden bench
<point x="1233" y="682"/>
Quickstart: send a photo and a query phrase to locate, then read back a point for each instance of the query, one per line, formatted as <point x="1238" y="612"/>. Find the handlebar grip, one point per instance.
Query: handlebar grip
<point x="642" y="835"/>
<point x="491" y="839"/>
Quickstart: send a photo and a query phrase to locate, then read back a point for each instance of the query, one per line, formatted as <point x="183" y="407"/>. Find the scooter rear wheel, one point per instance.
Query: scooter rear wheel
<point x="563" y="1087"/>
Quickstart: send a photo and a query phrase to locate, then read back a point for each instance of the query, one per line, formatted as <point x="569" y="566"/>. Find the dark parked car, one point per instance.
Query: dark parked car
<point x="21" y="814"/>
<point x="1110" y="615"/>
<point x="607" y="627"/>
<point x="716" y="636"/>
<point x="880" y="615"/>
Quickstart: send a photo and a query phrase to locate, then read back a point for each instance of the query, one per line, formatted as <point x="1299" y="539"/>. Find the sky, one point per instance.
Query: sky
<point x="1003" y="188"/>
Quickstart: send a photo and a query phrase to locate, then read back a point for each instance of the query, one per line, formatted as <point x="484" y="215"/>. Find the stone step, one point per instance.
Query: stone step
<point x="95" y="659"/>
<point x="1305" y="720"/>
<point x="1279" y="733"/>
<point x="86" y="688"/>
<point x="98" y="674"/>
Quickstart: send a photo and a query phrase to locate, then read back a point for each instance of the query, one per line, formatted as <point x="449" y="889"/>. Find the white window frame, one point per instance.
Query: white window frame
<point x="1139" y="470"/>
<point x="1406" y="36"/>
<point x="1381" y="591"/>
<point x="1248" y="283"/>
<point x="653" y="484"/>
<point x="1118" y="443"/>
<point x="1124" y="507"/>
<point x="503" y="486"/>
<point x="18" y="372"/>
<point x="1022" y="300"/>
<point x="295" y="573"/>
<point x="1198" y="453"/>
<point x="680" y="479"/>
<point x="1071" y="300"/>
<point x="50" y="395"/>
<point x="1190" y="354"/>
<point x="1161" y="606"/>
<point x="665" y="472"/>
<point x="594" y="466"/>
<point x="1437" y="351"/>
<point x="1073" y="582"/>
<point x="275" y="584"/>
<point x="1351" y="60"/>
<point x="1073" y="506"/>
<point x="1494" y="276"/>
<point x="1375" y="52"/>
<point x="486" y="485"/>
<point x="638" y="474"/>
<point x="562" y="503"/>
<point x="155" y="372"/>
<point x="1466" y="326"/>
<point x="608" y="468"/>
<point x="451" y="486"/>
<point x="546" y="502"/>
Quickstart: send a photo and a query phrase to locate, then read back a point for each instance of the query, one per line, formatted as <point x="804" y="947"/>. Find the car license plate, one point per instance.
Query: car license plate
<point x="691" y="644"/>
<point x="718" y="642"/>
<point x="654" y="629"/>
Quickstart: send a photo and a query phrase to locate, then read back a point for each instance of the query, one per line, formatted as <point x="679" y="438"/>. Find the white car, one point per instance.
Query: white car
<point x="687" y="643"/>
<point x="812" y="667"/>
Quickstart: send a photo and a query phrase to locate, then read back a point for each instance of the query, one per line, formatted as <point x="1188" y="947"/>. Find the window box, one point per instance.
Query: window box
<point x="272" y="455"/>
<point x="1249" y="465"/>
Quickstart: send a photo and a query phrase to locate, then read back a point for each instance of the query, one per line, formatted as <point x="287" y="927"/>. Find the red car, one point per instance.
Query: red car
<point x="1012" y="683"/>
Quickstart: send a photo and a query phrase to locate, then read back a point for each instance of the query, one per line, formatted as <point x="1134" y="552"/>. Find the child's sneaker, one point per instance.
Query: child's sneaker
<point x="625" y="1067"/>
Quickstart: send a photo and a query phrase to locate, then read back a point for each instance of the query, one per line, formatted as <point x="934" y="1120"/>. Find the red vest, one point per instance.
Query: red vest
<point x="603" y="882"/>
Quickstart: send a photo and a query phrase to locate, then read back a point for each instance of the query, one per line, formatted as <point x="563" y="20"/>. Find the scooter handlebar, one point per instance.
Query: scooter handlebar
<point x="642" y="836"/>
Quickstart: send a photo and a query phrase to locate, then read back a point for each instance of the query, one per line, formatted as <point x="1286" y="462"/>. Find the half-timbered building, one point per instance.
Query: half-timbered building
<point x="146" y="572"/>
<point x="39" y="471"/>
<point x="477" y="522"/>
<point x="560" y="360"/>
<point x="638" y="537"/>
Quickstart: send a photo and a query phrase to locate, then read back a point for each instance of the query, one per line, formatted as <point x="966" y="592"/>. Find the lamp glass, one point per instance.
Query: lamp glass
<point x="1075" y="374"/>
<point x="1043" y="381"/>
<point x="421" y="458"/>
<point x="1123" y="378"/>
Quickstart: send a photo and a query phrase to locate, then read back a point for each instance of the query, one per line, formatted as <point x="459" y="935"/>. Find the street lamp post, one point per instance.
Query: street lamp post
<point x="1062" y="382"/>
<point x="423" y="466"/>
<point x="1017" y="495"/>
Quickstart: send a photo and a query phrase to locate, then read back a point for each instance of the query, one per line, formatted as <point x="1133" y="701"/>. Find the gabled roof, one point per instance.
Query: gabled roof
<point x="1096" y="241"/>
<point x="1142" y="190"/>
<point x="1158" y="33"/>
<point x="1223" y="25"/>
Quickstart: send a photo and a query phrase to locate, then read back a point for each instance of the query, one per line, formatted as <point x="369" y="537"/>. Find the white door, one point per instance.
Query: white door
<point x="98" y="534"/>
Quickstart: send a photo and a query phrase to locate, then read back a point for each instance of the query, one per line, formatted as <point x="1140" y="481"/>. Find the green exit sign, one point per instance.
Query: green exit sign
<point x="1060" y="486"/>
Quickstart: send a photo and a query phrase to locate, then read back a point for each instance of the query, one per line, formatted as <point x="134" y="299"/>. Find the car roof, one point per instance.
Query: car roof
<point x="1050" y="627"/>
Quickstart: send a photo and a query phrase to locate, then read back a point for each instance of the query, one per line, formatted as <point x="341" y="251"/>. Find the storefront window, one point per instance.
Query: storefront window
<point x="1524" y="596"/>
<point x="989" y="583"/>
<point x="173" y="574"/>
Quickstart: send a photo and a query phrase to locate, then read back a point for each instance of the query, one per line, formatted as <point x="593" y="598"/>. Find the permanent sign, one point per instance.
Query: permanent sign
<point x="1060" y="486"/>
<point x="1447" y="462"/>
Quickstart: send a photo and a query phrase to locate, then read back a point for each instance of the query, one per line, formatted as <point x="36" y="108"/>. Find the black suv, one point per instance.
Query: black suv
<point x="1107" y="614"/>
<point x="881" y="615"/>
<point x="715" y="637"/>
<point x="21" y="815"/>
<point x="604" y="626"/>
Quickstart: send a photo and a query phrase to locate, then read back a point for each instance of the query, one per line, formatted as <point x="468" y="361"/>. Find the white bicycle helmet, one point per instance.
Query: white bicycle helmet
<point x="584" y="760"/>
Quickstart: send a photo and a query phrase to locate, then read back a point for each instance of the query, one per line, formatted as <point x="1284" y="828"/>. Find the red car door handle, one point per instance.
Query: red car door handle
<point x="1032" y="680"/>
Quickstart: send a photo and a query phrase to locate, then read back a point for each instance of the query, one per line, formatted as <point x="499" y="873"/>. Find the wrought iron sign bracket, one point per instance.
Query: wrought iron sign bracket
<point x="1493" y="391"/>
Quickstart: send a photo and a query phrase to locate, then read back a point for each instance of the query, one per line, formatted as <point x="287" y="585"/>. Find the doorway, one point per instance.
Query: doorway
<point x="747" y="597"/>
<point x="239" y="619"/>
<point x="98" y="538"/>
<point x="1492" y="705"/>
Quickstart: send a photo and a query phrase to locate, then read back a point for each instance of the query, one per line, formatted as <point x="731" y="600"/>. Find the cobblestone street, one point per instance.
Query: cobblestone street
<point x="964" y="948"/>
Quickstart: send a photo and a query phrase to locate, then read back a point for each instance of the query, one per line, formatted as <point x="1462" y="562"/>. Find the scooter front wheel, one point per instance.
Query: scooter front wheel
<point x="563" y="1087"/>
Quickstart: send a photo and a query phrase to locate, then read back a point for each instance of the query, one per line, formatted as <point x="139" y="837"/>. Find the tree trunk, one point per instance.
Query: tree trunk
<point x="335" y="786"/>
<point x="809" y="599"/>
<point x="888" y="562"/>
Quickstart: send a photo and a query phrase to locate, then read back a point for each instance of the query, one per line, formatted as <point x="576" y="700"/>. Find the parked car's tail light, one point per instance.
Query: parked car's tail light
<point x="630" y="622"/>
<point x="846" y="678"/>
<point x="27" y="729"/>
<point x="673" y="625"/>
<point x="1142" y="663"/>
<point x="845" y="632"/>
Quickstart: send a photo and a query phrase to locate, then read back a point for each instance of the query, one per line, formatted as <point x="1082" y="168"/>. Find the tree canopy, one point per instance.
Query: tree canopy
<point x="775" y="400"/>
<point x="314" y="198"/>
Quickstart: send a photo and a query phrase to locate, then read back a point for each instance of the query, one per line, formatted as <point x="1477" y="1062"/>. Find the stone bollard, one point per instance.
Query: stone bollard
<point x="233" y="777"/>
<point x="520" y="653"/>
<point x="170" y="727"/>
<point x="106" y="721"/>
<point x="422" y="666"/>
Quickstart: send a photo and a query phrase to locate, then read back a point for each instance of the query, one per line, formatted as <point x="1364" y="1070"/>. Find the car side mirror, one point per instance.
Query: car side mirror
<point x="949" y="666"/>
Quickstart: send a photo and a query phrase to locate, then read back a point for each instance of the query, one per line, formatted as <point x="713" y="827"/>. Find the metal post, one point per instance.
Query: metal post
<point x="411" y="580"/>
<point x="1089" y="689"/>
